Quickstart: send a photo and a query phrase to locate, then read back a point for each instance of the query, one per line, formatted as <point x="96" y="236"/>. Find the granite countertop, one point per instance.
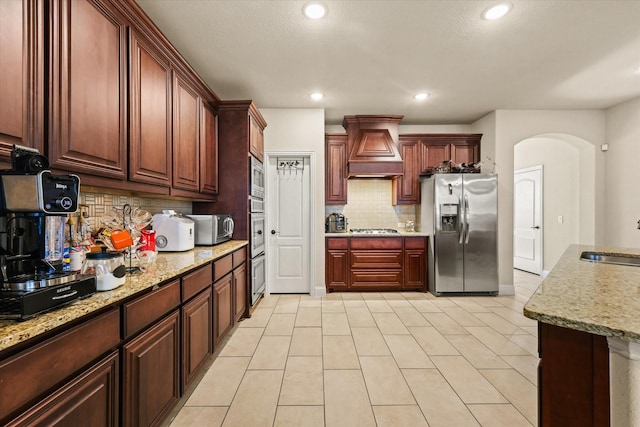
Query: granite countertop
<point x="602" y="299"/>
<point x="168" y="265"/>
<point x="401" y="233"/>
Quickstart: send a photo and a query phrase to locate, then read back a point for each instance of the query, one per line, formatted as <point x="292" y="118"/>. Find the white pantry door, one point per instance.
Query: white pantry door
<point x="288" y="219"/>
<point x="527" y="219"/>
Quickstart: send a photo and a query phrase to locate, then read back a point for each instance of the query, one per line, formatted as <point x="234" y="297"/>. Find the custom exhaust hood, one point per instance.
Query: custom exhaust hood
<point x="373" y="146"/>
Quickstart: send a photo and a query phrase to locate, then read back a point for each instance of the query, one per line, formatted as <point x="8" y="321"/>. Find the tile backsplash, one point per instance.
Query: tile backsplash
<point x="369" y="205"/>
<point x="100" y="204"/>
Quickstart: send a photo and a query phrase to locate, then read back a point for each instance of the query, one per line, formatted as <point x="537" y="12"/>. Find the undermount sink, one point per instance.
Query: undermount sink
<point x="611" y="258"/>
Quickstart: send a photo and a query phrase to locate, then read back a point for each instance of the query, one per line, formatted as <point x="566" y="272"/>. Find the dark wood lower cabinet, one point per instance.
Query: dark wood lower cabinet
<point x="573" y="378"/>
<point x="89" y="400"/>
<point x="197" y="339"/>
<point x="151" y="373"/>
<point x="240" y="291"/>
<point x="222" y="308"/>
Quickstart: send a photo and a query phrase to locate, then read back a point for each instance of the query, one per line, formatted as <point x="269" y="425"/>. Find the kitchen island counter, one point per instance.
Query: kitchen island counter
<point x="168" y="266"/>
<point x="601" y="299"/>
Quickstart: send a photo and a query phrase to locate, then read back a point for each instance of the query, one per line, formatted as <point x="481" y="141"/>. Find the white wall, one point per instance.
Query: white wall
<point x="509" y="127"/>
<point x="561" y="175"/>
<point x="302" y="130"/>
<point x="623" y="175"/>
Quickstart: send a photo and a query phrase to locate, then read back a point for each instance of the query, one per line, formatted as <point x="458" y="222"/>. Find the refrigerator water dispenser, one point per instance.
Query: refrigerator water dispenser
<point x="449" y="217"/>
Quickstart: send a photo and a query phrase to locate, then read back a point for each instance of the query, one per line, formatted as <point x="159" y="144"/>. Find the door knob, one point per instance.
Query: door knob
<point x="259" y="231"/>
<point x="273" y="231"/>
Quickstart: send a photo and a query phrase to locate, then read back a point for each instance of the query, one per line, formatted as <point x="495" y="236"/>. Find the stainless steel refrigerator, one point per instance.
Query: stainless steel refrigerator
<point x="460" y="211"/>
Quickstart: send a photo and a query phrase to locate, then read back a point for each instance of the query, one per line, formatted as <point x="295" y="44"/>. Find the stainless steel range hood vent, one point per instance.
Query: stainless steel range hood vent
<point x="373" y="146"/>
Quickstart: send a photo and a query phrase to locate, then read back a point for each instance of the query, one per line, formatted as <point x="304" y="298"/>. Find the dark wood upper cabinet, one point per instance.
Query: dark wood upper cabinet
<point x="406" y="188"/>
<point x="21" y="75"/>
<point x="335" y="177"/>
<point x="457" y="147"/>
<point x="88" y="94"/>
<point x="150" y="113"/>
<point x="467" y="151"/>
<point x="256" y="138"/>
<point x="209" y="151"/>
<point x="186" y="134"/>
<point x="434" y="154"/>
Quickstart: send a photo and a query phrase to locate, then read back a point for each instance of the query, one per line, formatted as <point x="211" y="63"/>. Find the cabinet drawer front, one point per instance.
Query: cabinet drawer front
<point x="415" y="242"/>
<point x="222" y="266"/>
<point x="338" y="243"/>
<point x="196" y="281"/>
<point x="150" y="307"/>
<point x="376" y="243"/>
<point x="376" y="279"/>
<point x="28" y="374"/>
<point x="376" y="259"/>
<point x="239" y="257"/>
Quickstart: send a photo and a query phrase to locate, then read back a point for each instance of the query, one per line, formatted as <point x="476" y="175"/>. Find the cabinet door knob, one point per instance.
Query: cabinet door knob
<point x="273" y="231"/>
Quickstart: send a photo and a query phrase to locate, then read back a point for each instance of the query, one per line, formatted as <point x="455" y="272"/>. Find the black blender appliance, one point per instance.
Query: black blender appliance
<point x="33" y="205"/>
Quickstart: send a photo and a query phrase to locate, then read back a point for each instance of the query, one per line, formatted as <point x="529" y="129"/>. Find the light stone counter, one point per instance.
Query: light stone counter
<point x="602" y="299"/>
<point x="167" y="266"/>
<point x="400" y="233"/>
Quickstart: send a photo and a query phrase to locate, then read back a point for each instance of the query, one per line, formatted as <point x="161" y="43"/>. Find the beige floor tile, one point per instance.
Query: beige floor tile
<point x="514" y="316"/>
<point x="385" y="383"/>
<point x="520" y="392"/>
<point x="329" y="306"/>
<point x="440" y="405"/>
<point x="468" y="383"/>
<point x="413" y="295"/>
<point x="442" y="302"/>
<point x="271" y="353"/>
<point x="407" y="353"/>
<point x="399" y="303"/>
<point x="351" y="296"/>
<point x="369" y="342"/>
<point x="335" y="324"/>
<point x="360" y="317"/>
<point x="462" y="317"/>
<point x="280" y="324"/>
<point x="368" y="296"/>
<point x="306" y="342"/>
<point x="336" y="296"/>
<point x="425" y="306"/>
<point x="258" y="319"/>
<point x="309" y="316"/>
<point x="499" y="416"/>
<point x="470" y="305"/>
<point x="392" y="296"/>
<point x="475" y="352"/>
<point x="200" y="417"/>
<point x="526" y="365"/>
<point x="496" y="342"/>
<point x="309" y="301"/>
<point x="256" y="401"/>
<point x="354" y="303"/>
<point x="287" y="304"/>
<point x="399" y="415"/>
<point x="346" y="399"/>
<point x="298" y="416"/>
<point x="531" y="330"/>
<point x="498" y="323"/>
<point x="389" y="323"/>
<point x="432" y="342"/>
<point x="409" y="316"/>
<point x="379" y="306"/>
<point x="303" y="382"/>
<point x="269" y="301"/>
<point x="243" y="342"/>
<point x="444" y="324"/>
<point x="486" y="301"/>
<point x="339" y="352"/>
<point x="526" y="341"/>
<point x="219" y="385"/>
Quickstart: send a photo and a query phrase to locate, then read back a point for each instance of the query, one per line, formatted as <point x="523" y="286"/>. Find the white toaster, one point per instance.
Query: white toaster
<point x="174" y="232"/>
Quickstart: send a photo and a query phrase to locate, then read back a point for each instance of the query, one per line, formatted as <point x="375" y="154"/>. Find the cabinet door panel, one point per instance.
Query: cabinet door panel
<point x="21" y="75"/>
<point x="337" y="270"/>
<point x="209" y="152"/>
<point x="464" y="153"/>
<point x="240" y="291"/>
<point x="151" y="371"/>
<point x="88" y="103"/>
<point x="197" y="339"/>
<point x="150" y="115"/>
<point x="336" y="170"/>
<point x="376" y="280"/>
<point x="376" y="259"/>
<point x="415" y="265"/>
<point x="222" y="308"/>
<point x="433" y="154"/>
<point x="186" y="135"/>
<point x="406" y="188"/>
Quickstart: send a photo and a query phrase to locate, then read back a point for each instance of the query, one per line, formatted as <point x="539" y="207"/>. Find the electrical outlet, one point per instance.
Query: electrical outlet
<point x="560" y="219"/>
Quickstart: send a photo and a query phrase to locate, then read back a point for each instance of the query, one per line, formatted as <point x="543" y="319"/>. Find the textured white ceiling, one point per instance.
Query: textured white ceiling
<point x="372" y="56"/>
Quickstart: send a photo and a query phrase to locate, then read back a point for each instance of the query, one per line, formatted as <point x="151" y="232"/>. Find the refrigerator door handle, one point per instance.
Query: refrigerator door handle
<point x="466" y="217"/>
<point x="461" y="219"/>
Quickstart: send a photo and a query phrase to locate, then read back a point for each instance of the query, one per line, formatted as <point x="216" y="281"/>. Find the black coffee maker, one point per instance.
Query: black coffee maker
<point x="33" y="203"/>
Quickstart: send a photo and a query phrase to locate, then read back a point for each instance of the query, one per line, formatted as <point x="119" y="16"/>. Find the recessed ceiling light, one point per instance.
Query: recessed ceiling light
<point x="316" y="96"/>
<point x="421" y="96"/>
<point x="314" y="10"/>
<point x="497" y="11"/>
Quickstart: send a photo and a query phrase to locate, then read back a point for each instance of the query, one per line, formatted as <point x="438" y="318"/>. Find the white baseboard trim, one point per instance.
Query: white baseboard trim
<point x="319" y="291"/>
<point x="545" y="273"/>
<point x="506" y="290"/>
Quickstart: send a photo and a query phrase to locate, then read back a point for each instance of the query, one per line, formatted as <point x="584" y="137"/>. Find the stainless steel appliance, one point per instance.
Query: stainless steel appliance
<point x="258" y="277"/>
<point x="460" y="211"/>
<point x="257" y="241"/>
<point x="336" y="223"/>
<point x="33" y="203"/>
<point x="256" y="178"/>
<point x="212" y="229"/>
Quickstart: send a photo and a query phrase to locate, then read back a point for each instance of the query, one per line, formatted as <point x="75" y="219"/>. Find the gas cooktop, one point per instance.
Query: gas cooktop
<point x="373" y="231"/>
